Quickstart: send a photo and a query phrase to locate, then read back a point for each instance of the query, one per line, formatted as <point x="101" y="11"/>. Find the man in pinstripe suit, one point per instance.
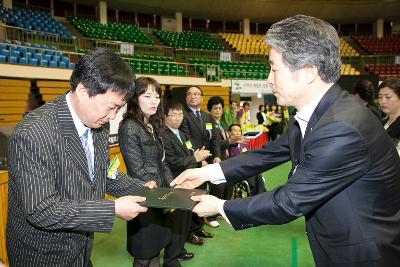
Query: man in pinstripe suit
<point x="55" y="202"/>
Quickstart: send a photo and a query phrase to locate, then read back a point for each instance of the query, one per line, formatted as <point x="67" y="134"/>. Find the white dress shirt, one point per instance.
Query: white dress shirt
<point x="80" y="127"/>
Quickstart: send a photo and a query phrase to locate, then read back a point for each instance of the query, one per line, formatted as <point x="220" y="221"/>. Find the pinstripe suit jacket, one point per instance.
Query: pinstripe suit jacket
<point x="53" y="207"/>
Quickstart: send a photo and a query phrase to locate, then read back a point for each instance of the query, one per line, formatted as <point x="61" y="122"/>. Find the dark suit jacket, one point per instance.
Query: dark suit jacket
<point x="179" y="158"/>
<point x="144" y="157"/>
<point x="346" y="185"/>
<point x="221" y="144"/>
<point x="199" y="135"/>
<point x="53" y="207"/>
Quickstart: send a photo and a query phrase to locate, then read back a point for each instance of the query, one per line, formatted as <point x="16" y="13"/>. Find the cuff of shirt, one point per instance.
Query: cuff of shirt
<point x="215" y="174"/>
<point x="221" y="210"/>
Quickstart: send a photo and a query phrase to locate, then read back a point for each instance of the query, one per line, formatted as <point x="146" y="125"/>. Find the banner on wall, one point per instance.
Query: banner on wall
<point x="127" y="49"/>
<point x="225" y="56"/>
<point x="251" y="87"/>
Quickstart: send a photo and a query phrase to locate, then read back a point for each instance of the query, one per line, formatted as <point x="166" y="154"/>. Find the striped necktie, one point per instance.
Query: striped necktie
<point x="86" y="148"/>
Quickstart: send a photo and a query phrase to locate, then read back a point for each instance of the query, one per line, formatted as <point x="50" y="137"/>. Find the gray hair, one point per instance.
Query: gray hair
<point x="307" y="41"/>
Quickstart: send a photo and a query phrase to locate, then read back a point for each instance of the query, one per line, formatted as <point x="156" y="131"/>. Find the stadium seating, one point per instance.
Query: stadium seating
<point x="112" y="31"/>
<point x="26" y="53"/>
<point x="182" y="40"/>
<point x="347" y="69"/>
<point x="251" y="44"/>
<point x="232" y="70"/>
<point x="384" y="71"/>
<point x="33" y="20"/>
<point x="14" y="95"/>
<point x="346" y="50"/>
<point x="387" y="45"/>
<point x="158" y="65"/>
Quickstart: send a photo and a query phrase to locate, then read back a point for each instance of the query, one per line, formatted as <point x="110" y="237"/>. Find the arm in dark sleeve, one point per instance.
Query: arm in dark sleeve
<point x="334" y="158"/>
<point x="130" y="145"/>
<point x="254" y="162"/>
<point x="215" y="143"/>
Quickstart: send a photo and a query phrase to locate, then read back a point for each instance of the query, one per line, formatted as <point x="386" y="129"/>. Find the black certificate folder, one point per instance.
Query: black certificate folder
<point x="169" y="198"/>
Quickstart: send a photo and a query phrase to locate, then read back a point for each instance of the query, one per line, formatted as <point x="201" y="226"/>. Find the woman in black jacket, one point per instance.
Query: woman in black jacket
<point x="389" y="100"/>
<point x="142" y="149"/>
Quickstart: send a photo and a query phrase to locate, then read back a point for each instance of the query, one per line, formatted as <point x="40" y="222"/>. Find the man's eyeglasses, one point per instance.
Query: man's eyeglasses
<point x="194" y="94"/>
<point x="175" y="116"/>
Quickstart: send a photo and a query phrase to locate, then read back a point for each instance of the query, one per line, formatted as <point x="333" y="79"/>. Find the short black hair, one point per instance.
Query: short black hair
<point x="215" y="100"/>
<point x="172" y="105"/>
<point x="233" y="125"/>
<point x="365" y="89"/>
<point x="101" y="70"/>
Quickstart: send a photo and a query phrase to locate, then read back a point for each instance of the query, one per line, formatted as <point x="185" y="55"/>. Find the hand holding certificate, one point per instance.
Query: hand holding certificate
<point x="169" y="198"/>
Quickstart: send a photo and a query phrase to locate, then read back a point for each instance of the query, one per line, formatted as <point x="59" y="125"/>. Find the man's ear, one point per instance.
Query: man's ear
<point x="81" y="91"/>
<point x="310" y="74"/>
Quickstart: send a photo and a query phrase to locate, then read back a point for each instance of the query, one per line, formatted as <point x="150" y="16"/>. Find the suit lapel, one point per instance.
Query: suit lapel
<point x="70" y="136"/>
<point x="323" y="105"/>
<point x="193" y="119"/>
<point x="175" y="140"/>
<point x="100" y="158"/>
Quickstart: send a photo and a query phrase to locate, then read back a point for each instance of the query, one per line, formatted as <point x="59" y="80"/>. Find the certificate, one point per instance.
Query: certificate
<point x="169" y="198"/>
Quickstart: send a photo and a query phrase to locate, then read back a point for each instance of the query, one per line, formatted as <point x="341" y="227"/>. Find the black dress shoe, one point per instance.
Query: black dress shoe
<point x="204" y="234"/>
<point x="194" y="239"/>
<point x="185" y="256"/>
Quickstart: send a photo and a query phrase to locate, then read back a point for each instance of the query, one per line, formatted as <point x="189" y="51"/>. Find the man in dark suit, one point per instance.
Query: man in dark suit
<point x="58" y="159"/>
<point x="198" y="125"/>
<point x="345" y="171"/>
<point x="180" y="155"/>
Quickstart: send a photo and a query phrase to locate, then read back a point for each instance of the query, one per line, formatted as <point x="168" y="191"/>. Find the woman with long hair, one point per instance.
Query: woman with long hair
<point x="142" y="149"/>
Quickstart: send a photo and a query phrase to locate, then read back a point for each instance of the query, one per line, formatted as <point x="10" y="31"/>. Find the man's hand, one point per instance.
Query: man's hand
<point x="201" y="154"/>
<point x="151" y="184"/>
<point x="207" y="206"/>
<point x="190" y="178"/>
<point x="126" y="207"/>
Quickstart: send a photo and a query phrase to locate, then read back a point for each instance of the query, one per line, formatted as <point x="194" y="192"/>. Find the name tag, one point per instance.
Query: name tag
<point x="113" y="168"/>
<point x="209" y="126"/>
<point x="188" y="144"/>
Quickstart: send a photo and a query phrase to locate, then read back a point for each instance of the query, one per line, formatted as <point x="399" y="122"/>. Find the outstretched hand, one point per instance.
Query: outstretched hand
<point x="190" y="178"/>
<point x="207" y="206"/>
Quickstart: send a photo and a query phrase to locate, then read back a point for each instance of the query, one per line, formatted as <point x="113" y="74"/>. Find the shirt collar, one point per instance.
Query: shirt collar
<point x="194" y="109"/>
<point x="80" y="127"/>
<point x="303" y="116"/>
<point x="175" y="131"/>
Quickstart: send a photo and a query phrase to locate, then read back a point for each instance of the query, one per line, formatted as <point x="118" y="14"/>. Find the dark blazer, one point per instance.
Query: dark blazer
<point x="198" y="134"/>
<point x="260" y="118"/>
<point x="179" y="158"/>
<point x="222" y="145"/>
<point x="53" y="207"/>
<point x="144" y="158"/>
<point x="346" y="184"/>
<point x="394" y="131"/>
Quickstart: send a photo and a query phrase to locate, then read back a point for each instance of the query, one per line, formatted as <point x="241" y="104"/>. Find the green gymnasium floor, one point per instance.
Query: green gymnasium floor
<point x="269" y="245"/>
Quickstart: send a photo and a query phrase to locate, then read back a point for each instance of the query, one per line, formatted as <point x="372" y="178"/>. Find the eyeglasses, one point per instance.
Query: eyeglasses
<point x="175" y="116"/>
<point x="194" y="94"/>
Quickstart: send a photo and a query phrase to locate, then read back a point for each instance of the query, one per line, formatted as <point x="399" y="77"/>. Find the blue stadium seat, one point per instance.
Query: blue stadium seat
<point x="62" y="64"/>
<point x="53" y="63"/>
<point x="22" y="60"/>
